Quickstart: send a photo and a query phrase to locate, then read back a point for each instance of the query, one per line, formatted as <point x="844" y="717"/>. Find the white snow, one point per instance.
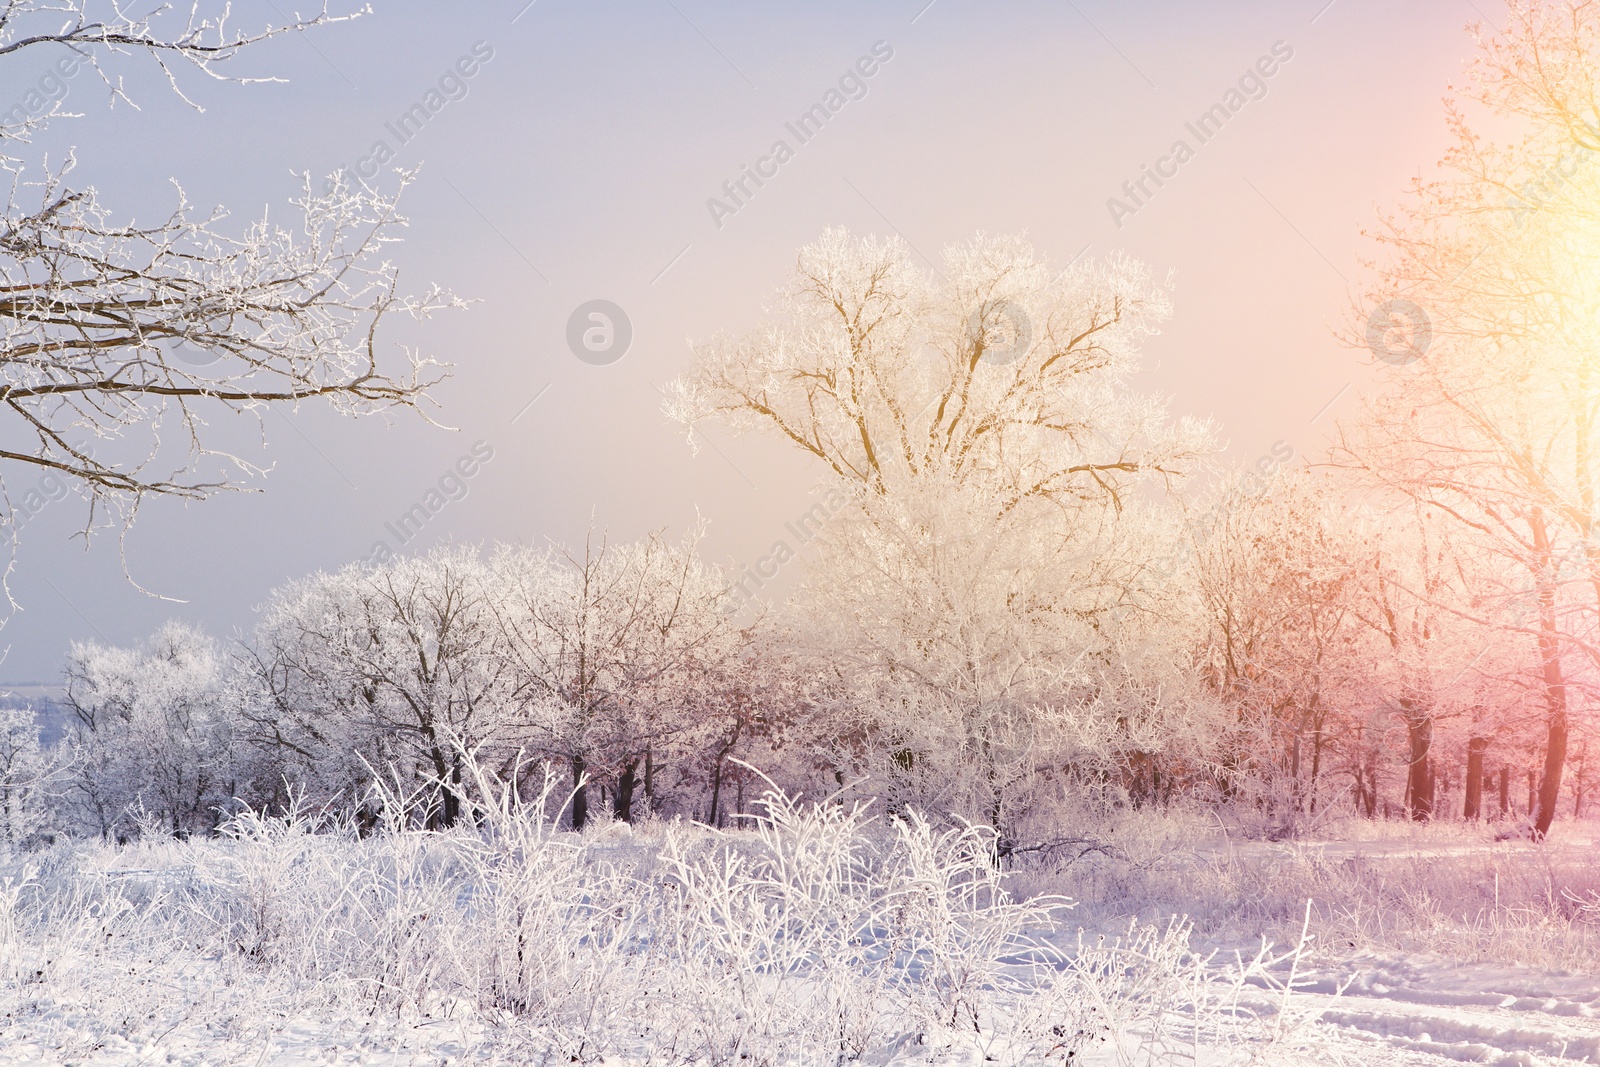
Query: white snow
<point x="137" y="955"/>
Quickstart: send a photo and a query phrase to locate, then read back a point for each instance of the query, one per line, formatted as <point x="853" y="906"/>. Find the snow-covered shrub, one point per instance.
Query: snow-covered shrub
<point x="818" y="934"/>
<point x="26" y="771"/>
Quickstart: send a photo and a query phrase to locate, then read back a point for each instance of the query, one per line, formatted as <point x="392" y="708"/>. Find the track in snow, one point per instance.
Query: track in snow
<point x="1415" y="1010"/>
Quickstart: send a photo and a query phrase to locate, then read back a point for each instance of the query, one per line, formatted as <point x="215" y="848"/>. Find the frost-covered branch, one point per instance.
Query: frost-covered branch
<point x="117" y="340"/>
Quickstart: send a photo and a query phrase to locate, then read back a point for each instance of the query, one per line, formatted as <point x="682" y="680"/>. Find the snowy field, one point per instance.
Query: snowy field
<point x="815" y="936"/>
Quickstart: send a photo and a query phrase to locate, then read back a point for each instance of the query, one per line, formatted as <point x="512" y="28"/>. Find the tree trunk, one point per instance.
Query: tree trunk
<point x="716" y="773"/>
<point x="452" y="798"/>
<point x="650" y="779"/>
<point x="1367" y="784"/>
<point x="1555" y="686"/>
<point x="449" y="802"/>
<point x="622" y="797"/>
<point x="1419" y="773"/>
<point x="1505" y="791"/>
<point x="1555" y="755"/>
<point x="1296" y="794"/>
<point x="1316" y="763"/>
<point x="1473" y="808"/>
<point x="1556" y="730"/>
<point x="716" y="793"/>
<point x="580" y="793"/>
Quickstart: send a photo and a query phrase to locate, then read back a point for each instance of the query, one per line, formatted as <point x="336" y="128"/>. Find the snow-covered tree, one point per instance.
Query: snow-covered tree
<point x="980" y="423"/>
<point x="997" y="371"/>
<point x="980" y="656"/>
<point x="618" y="659"/>
<point x="397" y="666"/>
<point x="1421" y="583"/>
<point x="1277" y="575"/>
<point x="26" y="771"/>
<point x="153" y="734"/>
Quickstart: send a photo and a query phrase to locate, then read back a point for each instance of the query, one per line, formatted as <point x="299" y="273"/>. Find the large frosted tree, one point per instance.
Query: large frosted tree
<point x="979" y="424"/>
<point x="996" y="370"/>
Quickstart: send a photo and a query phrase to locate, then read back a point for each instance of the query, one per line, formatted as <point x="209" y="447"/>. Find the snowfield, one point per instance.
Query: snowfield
<point x="1418" y="1009"/>
<point x="818" y="936"/>
<point x="1397" y="1010"/>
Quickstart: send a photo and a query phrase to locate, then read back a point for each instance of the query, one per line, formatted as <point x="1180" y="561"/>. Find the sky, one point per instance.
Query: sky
<point x="584" y="160"/>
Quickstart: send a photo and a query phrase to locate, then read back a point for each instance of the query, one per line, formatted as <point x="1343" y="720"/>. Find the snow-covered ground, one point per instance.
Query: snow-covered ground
<point x="819" y="939"/>
<point x="1402" y="1008"/>
<point x="1394" y="1009"/>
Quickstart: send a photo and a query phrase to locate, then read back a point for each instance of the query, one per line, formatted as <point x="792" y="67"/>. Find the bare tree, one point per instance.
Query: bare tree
<point x="1497" y="424"/>
<point x="615" y="656"/>
<point x="1277" y="577"/>
<point x="398" y="665"/>
<point x="1418" y="591"/>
